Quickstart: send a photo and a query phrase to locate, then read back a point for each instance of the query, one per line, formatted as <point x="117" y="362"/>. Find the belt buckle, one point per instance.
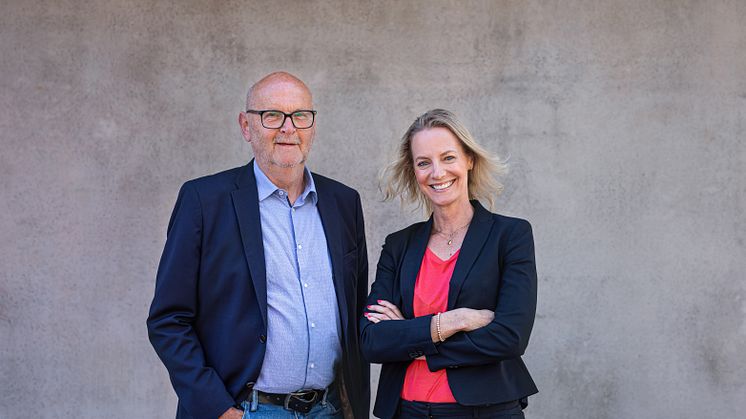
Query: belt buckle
<point x="301" y="405"/>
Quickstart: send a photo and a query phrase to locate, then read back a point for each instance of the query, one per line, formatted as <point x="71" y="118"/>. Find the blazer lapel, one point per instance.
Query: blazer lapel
<point x="246" y="204"/>
<point x="330" y="220"/>
<point x="476" y="235"/>
<point x="411" y="266"/>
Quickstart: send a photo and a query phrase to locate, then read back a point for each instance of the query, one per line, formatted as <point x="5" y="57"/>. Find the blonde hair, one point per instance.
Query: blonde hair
<point x="398" y="178"/>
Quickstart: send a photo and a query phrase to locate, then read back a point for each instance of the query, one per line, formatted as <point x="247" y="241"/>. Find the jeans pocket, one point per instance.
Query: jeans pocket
<point x="246" y="413"/>
<point x="331" y="408"/>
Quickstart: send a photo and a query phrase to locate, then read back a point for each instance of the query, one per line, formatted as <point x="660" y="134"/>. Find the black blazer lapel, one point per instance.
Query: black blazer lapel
<point x="331" y="220"/>
<point x="476" y="235"/>
<point x="411" y="266"/>
<point x="246" y="204"/>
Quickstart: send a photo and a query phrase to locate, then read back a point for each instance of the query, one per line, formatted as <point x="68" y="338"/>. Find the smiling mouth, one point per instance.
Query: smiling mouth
<point x="442" y="186"/>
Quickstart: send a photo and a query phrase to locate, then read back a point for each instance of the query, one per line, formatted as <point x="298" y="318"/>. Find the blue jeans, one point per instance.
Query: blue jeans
<point x="327" y="408"/>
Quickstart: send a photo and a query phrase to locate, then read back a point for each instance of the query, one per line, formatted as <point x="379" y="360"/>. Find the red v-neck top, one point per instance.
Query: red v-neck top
<point x="430" y="297"/>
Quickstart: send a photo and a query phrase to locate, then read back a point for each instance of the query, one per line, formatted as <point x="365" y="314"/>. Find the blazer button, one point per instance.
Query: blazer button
<point x="262" y="338"/>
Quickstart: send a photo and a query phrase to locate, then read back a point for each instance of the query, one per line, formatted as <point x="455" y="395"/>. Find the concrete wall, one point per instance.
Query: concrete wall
<point x="624" y="122"/>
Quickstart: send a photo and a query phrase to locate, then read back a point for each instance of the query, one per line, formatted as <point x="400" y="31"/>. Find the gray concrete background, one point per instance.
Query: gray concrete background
<point x="624" y="122"/>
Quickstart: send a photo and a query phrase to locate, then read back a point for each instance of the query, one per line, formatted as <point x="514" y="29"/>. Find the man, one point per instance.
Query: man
<point x="264" y="277"/>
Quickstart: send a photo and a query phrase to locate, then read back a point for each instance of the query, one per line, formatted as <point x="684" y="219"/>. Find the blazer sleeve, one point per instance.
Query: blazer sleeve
<point x="507" y="335"/>
<point x="393" y="340"/>
<point x="172" y="313"/>
<point x="363" y="406"/>
<point x="362" y="258"/>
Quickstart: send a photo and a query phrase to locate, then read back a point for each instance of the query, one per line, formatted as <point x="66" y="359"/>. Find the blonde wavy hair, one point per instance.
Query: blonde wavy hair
<point x="397" y="179"/>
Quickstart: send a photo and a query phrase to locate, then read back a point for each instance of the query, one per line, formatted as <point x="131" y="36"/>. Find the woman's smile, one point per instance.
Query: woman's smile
<point x="442" y="186"/>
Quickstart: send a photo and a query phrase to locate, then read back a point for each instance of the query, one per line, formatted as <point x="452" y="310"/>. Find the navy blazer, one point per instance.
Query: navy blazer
<point x="208" y="319"/>
<point x="495" y="270"/>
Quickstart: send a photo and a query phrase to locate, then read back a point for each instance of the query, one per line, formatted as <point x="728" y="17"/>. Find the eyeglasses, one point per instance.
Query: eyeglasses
<point x="272" y="119"/>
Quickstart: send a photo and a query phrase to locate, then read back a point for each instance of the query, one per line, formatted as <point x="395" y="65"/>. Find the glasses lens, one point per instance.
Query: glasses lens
<point x="273" y="119"/>
<point x="303" y="119"/>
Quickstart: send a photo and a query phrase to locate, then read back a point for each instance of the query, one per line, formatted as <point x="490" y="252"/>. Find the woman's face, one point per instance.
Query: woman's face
<point x="441" y="166"/>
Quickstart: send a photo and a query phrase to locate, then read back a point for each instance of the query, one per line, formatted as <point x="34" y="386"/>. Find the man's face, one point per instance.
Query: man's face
<point x="284" y="147"/>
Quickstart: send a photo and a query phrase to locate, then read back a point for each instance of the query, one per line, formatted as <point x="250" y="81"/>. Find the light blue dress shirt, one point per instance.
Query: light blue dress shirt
<point x="303" y="324"/>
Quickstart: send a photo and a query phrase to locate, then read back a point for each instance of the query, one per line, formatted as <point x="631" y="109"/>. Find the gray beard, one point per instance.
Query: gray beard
<point x="287" y="166"/>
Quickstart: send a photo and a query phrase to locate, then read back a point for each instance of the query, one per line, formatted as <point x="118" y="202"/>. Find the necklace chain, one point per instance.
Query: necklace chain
<point x="449" y="237"/>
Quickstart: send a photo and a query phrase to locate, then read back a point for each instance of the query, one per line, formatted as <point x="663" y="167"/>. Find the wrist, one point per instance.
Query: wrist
<point x="454" y="321"/>
<point x="437" y="327"/>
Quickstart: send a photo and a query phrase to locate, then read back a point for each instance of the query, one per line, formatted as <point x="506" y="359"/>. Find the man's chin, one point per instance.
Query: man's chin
<point x="288" y="164"/>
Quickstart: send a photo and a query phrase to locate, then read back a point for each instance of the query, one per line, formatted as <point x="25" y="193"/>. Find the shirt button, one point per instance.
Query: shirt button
<point x="281" y="193"/>
<point x="312" y="365"/>
<point x="300" y="247"/>
<point x="305" y="284"/>
<point x="313" y="324"/>
<point x="262" y="338"/>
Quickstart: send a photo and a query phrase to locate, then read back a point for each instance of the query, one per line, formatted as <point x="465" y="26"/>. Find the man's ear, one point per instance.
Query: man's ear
<point x="243" y="122"/>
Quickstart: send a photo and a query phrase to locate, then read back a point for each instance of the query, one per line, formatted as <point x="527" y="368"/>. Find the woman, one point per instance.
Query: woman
<point x="451" y="310"/>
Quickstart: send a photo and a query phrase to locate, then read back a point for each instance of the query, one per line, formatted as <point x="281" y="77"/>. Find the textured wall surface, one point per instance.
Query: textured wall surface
<point x="624" y="122"/>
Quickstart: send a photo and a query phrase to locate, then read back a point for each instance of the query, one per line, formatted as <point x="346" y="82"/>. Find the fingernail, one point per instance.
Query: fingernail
<point x="379" y="301"/>
<point x="368" y="307"/>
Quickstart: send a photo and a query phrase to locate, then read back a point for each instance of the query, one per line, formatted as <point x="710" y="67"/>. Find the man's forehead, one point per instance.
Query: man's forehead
<point x="274" y="91"/>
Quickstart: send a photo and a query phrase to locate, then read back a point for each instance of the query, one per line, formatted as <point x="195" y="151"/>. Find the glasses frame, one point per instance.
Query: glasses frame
<point x="285" y="116"/>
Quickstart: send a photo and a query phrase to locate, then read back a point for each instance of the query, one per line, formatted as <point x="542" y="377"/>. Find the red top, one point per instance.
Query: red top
<point x="430" y="297"/>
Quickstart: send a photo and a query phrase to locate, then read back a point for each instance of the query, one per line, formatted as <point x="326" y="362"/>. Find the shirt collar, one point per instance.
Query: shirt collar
<point x="265" y="187"/>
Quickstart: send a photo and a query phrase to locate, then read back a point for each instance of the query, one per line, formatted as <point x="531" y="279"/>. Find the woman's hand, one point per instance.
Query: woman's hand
<point x="470" y="319"/>
<point x="383" y="311"/>
<point x="451" y="322"/>
<point x="459" y="320"/>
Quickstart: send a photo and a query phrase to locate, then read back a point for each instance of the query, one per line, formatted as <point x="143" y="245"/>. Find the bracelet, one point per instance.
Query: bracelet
<point x="437" y="328"/>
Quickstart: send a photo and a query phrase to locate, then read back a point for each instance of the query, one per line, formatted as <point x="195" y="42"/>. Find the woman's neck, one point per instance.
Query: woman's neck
<point x="450" y="218"/>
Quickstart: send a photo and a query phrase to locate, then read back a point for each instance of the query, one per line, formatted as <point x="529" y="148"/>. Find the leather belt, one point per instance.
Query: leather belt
<point x="299" y="401"/>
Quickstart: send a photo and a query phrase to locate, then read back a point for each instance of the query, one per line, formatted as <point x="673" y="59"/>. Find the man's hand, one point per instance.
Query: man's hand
<point x="232" y="413"/>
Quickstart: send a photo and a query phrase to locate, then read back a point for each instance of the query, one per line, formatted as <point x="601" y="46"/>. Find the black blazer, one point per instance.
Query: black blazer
<point x="208" y="319"/>
<point x="495" y="270"/>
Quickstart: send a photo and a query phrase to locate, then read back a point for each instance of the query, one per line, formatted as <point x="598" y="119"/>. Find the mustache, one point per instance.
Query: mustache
<point x="287" y="140"/>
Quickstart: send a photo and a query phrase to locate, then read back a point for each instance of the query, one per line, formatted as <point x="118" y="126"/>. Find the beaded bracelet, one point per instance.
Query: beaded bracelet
<point x="437" y="328"/>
